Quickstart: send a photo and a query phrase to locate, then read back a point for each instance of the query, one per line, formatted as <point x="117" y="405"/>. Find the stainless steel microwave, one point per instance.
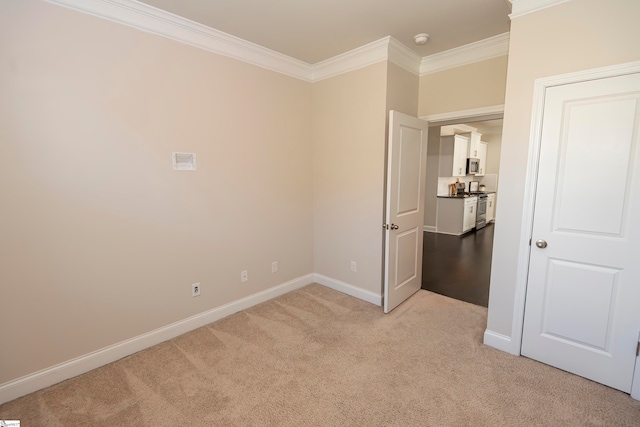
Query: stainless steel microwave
<point x="473" y="166"/>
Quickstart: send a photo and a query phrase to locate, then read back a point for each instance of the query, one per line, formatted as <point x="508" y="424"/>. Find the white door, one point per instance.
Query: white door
<point x="406" y="173"/>
<point x="582" y="310"/>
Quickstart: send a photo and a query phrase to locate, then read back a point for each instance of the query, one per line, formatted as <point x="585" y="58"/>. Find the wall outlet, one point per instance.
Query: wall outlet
<point x="244" y="275"/>
<point x="195" y="290"/>
<point x="354" y="266"/>
<point x="274" y="266"/>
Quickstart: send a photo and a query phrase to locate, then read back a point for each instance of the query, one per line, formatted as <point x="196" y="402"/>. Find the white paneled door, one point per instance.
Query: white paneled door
<point x="406" y="173"/>
<point x="582" y="310"/>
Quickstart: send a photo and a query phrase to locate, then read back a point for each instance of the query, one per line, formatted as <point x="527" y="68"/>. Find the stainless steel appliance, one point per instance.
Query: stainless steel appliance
<point x="473" y="166"/>
<point x="481" y="211"/>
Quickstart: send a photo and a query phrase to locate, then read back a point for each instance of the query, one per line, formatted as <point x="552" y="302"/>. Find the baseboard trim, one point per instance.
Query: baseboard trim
<point x="74" y="367"/>
<point x="348" y="289"/>
<point x="430" y="228"/>
<point x="497" y="341"/>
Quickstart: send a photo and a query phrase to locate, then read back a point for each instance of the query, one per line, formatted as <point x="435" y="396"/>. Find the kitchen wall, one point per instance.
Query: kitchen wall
<point x="481" y="84"/>
<point x="493" y="152"/>
<point x="572" y="36"/>
<point x="432" y="179"/>
<point x="100" y="238"/>
<point x="489" y="181"/>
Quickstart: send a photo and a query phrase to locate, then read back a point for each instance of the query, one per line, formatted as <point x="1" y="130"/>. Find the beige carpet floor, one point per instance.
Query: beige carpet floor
<point x="316" y="357"/>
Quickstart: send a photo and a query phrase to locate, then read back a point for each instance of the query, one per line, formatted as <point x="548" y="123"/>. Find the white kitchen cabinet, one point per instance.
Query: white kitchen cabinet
<point x="456" y="215"/>
<point x="470" y="205"/>
<point x="482" y="156"/>
<point x="453" y="155"/>
<point x="473" y="149"/>
<point x="491" y="207"/>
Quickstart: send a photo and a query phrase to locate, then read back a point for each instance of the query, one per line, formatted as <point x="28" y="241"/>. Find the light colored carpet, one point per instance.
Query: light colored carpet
<point x="316" y="357"/>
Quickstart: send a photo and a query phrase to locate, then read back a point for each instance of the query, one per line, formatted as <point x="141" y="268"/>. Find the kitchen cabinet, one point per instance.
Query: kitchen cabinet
<point x="453" y="155"/>
<point x="491" y="207"/>
<point x="482" y="156"/>
<point x="456" y="215"/>
<point x="473" y="149"/>
<point x="469" y="220"/>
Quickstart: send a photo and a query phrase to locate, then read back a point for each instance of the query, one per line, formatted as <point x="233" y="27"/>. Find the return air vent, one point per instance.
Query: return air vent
<point x="184" y="161"/>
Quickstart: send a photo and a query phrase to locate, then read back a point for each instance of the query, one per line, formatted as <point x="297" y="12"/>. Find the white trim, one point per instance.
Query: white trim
<point x="430" y="228"/>
<point x="540" y="86"/>
<point x="404" y="57"/>
<point x="156" y="21"/>
<point x="79" y="365"/>
<point x="481" y="50"/>
<point x="361" y="57"/>
<point x="524" y="7"/>
<point x="496" y="340"/>
<point x="348" y="289"/>
<point x="463" y="114"/>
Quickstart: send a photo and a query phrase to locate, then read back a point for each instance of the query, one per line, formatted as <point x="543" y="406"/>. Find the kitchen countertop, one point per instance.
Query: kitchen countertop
<point x="465" y="195"/>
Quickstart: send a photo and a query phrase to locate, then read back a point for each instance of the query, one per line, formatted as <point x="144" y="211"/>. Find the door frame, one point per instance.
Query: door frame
<point x="535" y="136"/>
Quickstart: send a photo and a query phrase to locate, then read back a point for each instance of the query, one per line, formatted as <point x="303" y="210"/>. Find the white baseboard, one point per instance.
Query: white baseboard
<point x="430" y="228"/>
<point x="74" y="367"/>
<point x="497" y="341"/>
<point x="348" y="289"/>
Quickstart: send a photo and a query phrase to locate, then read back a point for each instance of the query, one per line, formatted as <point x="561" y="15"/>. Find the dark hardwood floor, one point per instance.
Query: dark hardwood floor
<point x="459" y="266"/>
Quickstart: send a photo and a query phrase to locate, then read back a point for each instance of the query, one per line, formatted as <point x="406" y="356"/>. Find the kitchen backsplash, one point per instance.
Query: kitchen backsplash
<point x="490" y="181"/>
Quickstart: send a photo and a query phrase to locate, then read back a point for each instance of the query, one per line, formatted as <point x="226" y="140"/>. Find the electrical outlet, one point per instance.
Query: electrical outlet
<point x="244" y="275"/>
<point x="195" y="290"/>
<point x="354" y="266"/>
<point x="274" y="266"/>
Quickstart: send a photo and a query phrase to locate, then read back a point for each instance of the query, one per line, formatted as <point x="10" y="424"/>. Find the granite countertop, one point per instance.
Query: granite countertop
<point x="465" y="195"/>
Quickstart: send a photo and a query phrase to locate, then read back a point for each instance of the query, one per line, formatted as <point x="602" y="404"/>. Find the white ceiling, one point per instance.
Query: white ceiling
<point x="315" y="30"/>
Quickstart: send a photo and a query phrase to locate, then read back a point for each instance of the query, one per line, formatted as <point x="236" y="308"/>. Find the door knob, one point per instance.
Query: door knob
<point x="541" y="243"/>
<point x="394" y="227"/>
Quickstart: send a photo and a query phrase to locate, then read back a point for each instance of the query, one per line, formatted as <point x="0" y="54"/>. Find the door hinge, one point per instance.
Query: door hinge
<point x="638" y="349"/>
<point x="530" y="242"/>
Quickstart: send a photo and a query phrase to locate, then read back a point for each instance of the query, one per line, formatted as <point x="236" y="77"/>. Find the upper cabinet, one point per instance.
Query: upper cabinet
<point x="453" y="155"/>
<point x="482" y="156"/>
<point x="473" y="150"/>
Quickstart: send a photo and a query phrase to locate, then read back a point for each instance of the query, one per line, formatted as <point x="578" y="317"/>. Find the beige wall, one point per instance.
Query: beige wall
<point x="433" y="171"/>
<point x="100" y="239"/>
<point x="573" y="36"/>
<point x="402" y="90"/>
<point x="493" y="152"/>
<point x="481" y="84"/>
<point x="349" y="113"/>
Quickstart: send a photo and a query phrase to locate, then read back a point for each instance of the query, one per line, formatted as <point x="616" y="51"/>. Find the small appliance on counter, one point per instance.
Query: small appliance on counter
<point x="474" y="186"/>
<point x="457" y="188"/>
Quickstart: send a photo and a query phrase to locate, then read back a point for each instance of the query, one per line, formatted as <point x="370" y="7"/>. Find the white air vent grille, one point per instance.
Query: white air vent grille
<point x="184" y="161"/>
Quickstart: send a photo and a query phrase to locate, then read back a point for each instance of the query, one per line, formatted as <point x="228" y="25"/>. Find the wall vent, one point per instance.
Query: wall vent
<point x="184" y="161"/>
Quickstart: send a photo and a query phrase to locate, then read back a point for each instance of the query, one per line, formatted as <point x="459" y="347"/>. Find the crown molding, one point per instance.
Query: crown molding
<point x="156" y="21"/>
<point x="141" y="16"/>
<point x="404" y="57"/>
<point x="354" y="59"/>
<point x="524" y="7"/>
<point x="481" y="50"/>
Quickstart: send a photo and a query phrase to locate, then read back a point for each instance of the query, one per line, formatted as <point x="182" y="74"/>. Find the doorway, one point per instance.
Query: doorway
<point x="455" y="264"/>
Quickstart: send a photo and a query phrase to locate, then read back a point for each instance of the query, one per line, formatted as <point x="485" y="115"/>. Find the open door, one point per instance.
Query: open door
<point x="406" y="173"/>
